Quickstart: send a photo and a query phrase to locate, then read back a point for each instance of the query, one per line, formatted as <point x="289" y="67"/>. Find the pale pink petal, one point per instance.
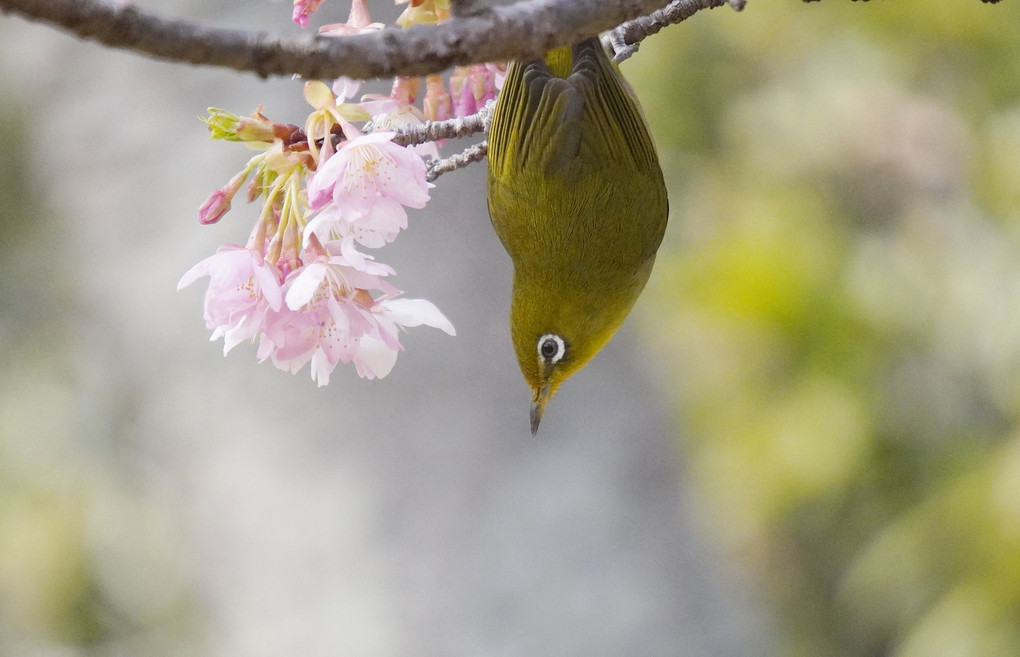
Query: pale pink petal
<point x="380" y="106"/>
<point x="290" y="337"/>
<point x="407" y="183"/>
<point x="303" y="285"/>
<point x="345" y="88"/>
<point x="384" y="328"/>
<point x="374" y="359"/>
<point x="323" y="181"/>
<point x="198" y="271"/>
<point x="324" y="224"/>
<point x="321" y="368"/>
<point x="227" y="262"/>
<point x="246" y="329"/>
<point x="343" y="253"/>
<point x="415" y="312"/>
<point x="269" y="283"/>
<point x="381" y="224"/>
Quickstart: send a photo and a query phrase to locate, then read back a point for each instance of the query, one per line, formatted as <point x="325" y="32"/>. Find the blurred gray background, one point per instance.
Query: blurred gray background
<point x="159" y="499"/>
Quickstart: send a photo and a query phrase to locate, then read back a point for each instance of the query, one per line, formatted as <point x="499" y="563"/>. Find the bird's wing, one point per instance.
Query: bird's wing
<point x="590" y="115"/>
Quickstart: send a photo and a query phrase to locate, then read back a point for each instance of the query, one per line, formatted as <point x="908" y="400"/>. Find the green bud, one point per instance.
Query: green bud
<point x="222" y="124"/>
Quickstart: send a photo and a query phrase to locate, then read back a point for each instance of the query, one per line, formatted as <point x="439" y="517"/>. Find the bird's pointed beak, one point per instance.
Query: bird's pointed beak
<point x="539" y="398"/>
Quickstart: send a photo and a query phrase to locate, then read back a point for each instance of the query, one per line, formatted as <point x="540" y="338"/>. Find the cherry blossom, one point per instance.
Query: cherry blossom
<point x="371" y="179"/>
<point x="243" y="288"/>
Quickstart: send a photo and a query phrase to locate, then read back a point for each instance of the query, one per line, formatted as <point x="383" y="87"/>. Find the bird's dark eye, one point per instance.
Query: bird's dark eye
<point x="551" y="348"/>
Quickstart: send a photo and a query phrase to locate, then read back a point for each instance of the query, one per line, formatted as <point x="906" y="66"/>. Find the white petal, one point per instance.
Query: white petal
<point x="321" y="368"/>
<point x="415" y="312"/>
<point x="324" y="223"/>
<point x="304" y="285"/>
<point x="374" y="358"/>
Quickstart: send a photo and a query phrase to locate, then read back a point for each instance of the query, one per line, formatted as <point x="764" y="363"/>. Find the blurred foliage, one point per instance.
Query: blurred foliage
<point x="836" y="311"/>
<point x="85" y="562"/>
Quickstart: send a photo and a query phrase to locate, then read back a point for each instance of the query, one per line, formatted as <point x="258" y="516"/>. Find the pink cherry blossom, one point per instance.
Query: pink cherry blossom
<point x="370" y="180"/>
<point x="366" y="169"/>
<point x="325" y="332"/>
<point x="323" y="321"/>
<point x="329" y="318"/>
<point x="379" y="227"/>
<point x="377" y="352"/>
<point x="301" y="286"/>
<point x="333" y="275"/>
<point x="243" y="288"/>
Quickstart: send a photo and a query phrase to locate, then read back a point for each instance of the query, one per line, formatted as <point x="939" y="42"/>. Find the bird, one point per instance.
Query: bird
<point x="577" y="197"/>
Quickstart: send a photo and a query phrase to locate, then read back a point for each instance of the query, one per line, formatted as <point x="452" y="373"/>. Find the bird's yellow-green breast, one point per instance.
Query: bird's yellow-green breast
<point x="577" y="197"/>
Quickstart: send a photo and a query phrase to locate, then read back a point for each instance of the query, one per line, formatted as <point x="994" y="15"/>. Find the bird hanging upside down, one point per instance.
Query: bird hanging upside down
<point x="576" y="195"/>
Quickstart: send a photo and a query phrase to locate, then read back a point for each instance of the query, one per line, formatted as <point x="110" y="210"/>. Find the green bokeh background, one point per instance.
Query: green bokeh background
<point x="836" y="311"/>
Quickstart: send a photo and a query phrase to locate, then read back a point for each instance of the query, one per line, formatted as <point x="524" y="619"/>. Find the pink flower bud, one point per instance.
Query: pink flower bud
<point x="483" y="84"/>
<point x="214" y="207"/>
<point x="303" y="9"/>
<point x="405" y="90"/>
<point x="437" y="102"/>
<point x="461" y="94"/>
<point x="218" y="202"/>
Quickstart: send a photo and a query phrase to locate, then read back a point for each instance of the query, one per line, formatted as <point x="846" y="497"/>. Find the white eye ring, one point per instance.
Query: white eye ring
<point x="551" y="348"/>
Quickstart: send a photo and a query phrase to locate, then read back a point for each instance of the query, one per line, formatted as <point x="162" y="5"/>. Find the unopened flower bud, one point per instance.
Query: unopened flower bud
<point x="214" y="208"/>
<point x="483" y="84"/>
<point x="218" y="203"/>
<point x="437" y="102"/>
<point x="222" y="124"/>
<point x="254" y="129"/>
<point x="462" y="96"/>
<point x="405" y="90"/>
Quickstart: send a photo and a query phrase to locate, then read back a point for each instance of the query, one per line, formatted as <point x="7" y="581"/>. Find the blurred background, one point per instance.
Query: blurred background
<point x="805" y="441"/>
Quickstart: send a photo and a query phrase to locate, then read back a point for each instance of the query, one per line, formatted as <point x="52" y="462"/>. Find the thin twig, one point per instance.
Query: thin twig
<point x="626" y="38"/>
<point x="464" y="126"/>
<point x="470" y="154"/>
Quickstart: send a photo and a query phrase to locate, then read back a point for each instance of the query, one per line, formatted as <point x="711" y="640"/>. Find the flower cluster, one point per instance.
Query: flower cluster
<point x="302" y="286"/>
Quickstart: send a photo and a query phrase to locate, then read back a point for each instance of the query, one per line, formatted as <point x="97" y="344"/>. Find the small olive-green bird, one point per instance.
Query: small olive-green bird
<point x="576" y="195"/>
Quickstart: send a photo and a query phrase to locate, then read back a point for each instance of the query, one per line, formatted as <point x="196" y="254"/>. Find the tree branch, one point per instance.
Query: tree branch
<point x="525" y="29"/>
<point x="624" y="39"/>
<point x="463" y="126"/>
<point x="460" y="160"/>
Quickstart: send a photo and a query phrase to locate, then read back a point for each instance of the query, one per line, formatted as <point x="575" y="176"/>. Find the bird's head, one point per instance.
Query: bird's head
<point x="556" y="330"/>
